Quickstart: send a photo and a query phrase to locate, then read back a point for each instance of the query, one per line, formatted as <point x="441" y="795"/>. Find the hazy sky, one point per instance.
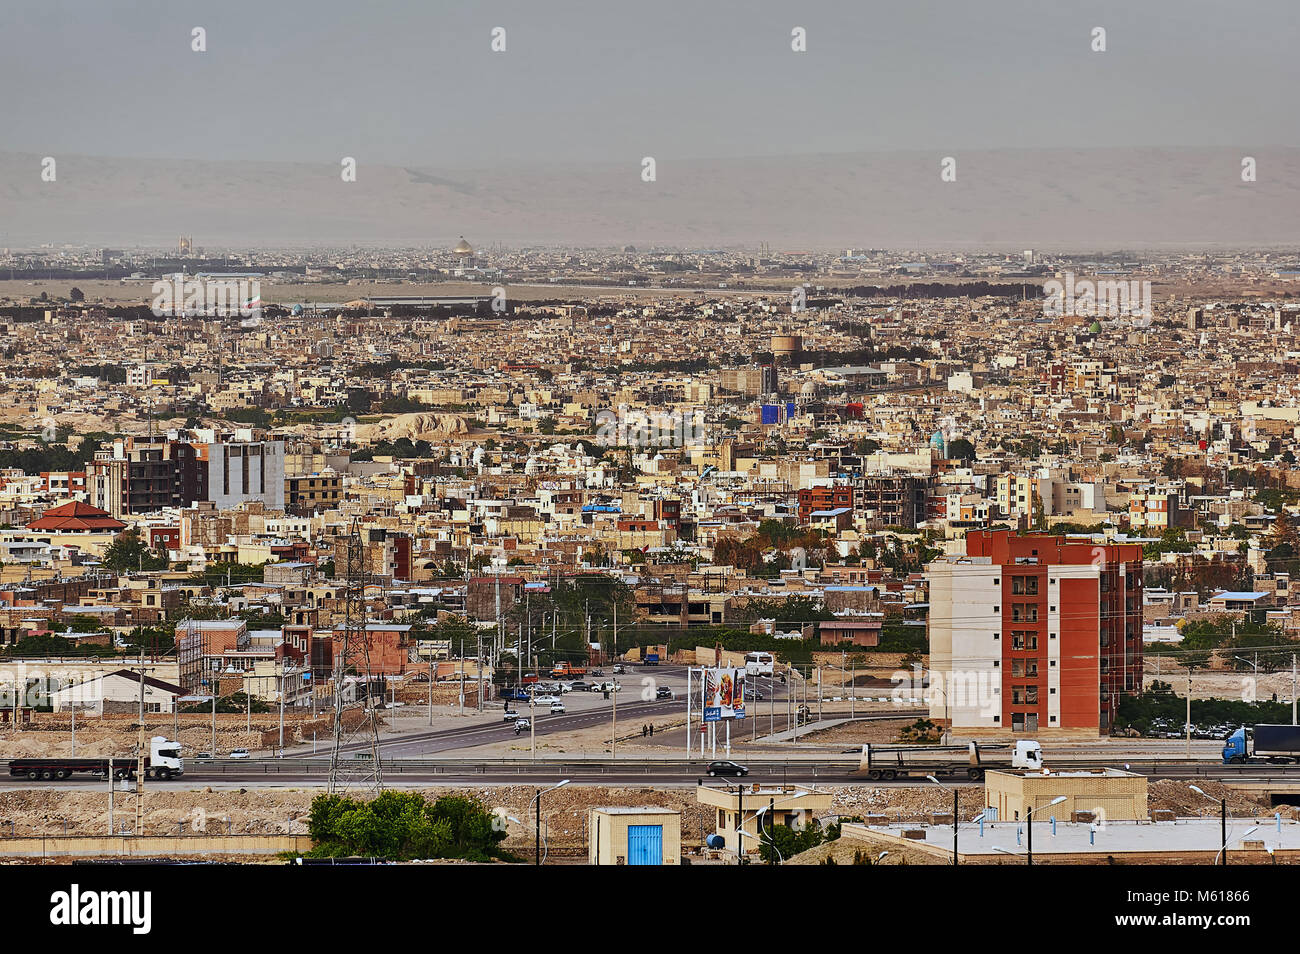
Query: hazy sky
<point x="416" y="83"/>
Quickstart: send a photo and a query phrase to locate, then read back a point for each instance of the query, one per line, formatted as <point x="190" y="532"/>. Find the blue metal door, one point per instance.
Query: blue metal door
<point x="645" y="844"/>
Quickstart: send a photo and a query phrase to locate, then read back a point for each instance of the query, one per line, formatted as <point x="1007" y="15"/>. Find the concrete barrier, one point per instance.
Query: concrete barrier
<point x="150" y="846"/>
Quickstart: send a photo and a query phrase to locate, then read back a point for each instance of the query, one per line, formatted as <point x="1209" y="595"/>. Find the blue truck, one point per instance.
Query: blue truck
<point x="1263" y="743"/>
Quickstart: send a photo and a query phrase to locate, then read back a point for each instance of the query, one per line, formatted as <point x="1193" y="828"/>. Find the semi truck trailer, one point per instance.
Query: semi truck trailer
<point x="1263" y="743"/>
<point x="163" y="762"/>
<point x="971" y="760"/>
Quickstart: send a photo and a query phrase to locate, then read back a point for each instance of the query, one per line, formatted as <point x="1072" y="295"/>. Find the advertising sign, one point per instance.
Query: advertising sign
<point x="724" y="694"/>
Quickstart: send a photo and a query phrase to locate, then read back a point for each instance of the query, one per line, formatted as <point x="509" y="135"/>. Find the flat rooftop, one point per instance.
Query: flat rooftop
<point x="996" y="839"/>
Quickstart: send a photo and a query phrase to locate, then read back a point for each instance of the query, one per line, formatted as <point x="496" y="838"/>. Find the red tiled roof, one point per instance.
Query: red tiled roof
<point x="77" y="516"/>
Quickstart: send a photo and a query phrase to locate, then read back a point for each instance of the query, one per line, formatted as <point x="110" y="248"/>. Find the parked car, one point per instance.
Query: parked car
<point x="596" y="672"/>
<point x="546" y="700"/>
<point x="239" y="753"/>
<point x="579" y="686"/>
<point x="518" y="695"/>
<point x="605" y="687"/>
<point x="727" y="768"/>
<point x="523" y="724"/>
<point x="510" y="716"/>
<point x="557" y="708"/>
<point x="620" y="669"/>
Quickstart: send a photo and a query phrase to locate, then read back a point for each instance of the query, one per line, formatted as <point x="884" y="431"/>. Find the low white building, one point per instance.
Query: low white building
<point x="117" y="692"/>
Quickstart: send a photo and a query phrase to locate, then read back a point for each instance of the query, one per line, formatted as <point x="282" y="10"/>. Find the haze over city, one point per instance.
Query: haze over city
<point x="547" y="434"/>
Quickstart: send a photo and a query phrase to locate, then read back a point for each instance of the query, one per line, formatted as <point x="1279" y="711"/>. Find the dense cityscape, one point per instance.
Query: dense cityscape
<point x="565" y="437"/>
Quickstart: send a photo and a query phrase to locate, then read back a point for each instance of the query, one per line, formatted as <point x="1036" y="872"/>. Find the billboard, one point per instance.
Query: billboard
<point x="724" y="694"/>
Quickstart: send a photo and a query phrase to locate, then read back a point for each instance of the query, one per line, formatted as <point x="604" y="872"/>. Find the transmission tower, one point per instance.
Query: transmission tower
<point x="350" y="768"/>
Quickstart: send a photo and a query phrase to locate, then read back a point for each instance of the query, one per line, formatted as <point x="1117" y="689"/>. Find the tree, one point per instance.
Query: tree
<point x="961" y="449"/>
<point x="401" y="826"/>
<point x="780" y="842"/>
<point x="455" y="629"/>
<point x="77" y="294"/>
<point x="128" y="553"/>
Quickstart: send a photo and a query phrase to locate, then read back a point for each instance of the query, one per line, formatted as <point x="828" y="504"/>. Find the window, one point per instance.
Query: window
<point x="1024" y="612"/>
<point x="1024" y="639"/>
<point x="1024" y="585"/>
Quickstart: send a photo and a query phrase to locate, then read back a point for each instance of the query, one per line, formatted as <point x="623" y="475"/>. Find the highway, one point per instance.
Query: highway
<point x="633" y="771"/>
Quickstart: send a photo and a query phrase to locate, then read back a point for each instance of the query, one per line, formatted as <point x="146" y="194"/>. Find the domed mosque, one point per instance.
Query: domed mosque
<point x="463" y="251"/>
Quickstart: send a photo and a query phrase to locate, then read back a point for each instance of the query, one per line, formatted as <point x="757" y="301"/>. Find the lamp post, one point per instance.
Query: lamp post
<point x="537" y="846"/>
<point x="741" y="834"/>
<point x="1029" y="824"/>
<point x="954" y="816"/>
<point x="1223" y="820"/>
<point x="1224" y="850"/>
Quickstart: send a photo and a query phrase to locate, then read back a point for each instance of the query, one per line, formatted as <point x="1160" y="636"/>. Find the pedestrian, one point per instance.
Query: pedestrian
<point x="652" y="730"/>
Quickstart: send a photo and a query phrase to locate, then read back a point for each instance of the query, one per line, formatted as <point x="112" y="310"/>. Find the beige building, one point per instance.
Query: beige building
<point x="1104" y="793"/>
<point x="739" y="809"/>
<point x="634" y="836"/>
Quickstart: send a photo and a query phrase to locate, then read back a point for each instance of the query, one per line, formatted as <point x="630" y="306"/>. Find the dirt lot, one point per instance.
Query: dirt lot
<point x="261" y="811"/>
<point x="876" y="731"/>
<point x="1214" y="684"/>
<point x="98" y="739"/>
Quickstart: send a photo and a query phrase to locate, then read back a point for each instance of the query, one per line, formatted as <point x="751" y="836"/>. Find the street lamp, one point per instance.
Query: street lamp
<point x="757" y="816"/>
<point x="1224" y="850"/>
<point x="1223" y="820"/>
<point x="744" y="834"/>
<point x="537" y="857"/>
<point x="1029" y="824"/>
<point x="954" y="816"/>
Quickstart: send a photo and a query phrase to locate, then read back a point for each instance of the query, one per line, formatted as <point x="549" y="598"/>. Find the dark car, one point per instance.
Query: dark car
<point x="579" y="686"/>
<point x="663" y="692"/>
<point x="727" y="768"/>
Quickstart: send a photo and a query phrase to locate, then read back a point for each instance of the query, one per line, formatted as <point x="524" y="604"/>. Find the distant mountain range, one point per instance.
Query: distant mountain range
<point x="1079" y="199"/>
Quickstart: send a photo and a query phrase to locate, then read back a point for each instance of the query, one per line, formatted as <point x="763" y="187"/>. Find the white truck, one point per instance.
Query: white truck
<point x="889" y="762"/>
<point x="163" y="762"/>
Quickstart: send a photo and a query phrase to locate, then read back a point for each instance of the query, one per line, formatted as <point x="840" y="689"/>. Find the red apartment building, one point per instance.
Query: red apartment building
<point x="1034" y="635"/>
<point x="823" y="498"/>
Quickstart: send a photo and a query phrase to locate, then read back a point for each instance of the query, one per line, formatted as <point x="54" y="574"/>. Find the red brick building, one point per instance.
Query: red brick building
<point x="1034" y="634"/>
<point x="823" y="498"/>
